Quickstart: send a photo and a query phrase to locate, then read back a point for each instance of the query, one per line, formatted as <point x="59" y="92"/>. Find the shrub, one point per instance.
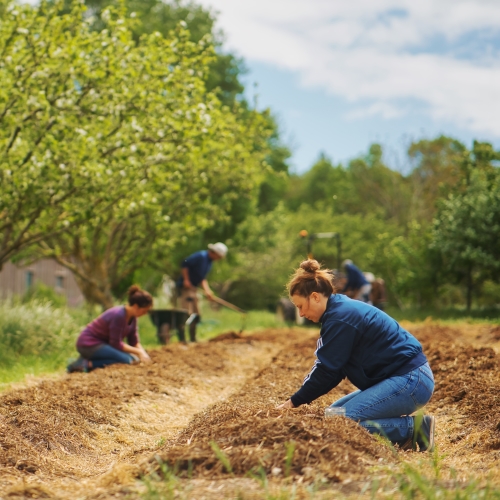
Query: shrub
<point x="36" y="328"/>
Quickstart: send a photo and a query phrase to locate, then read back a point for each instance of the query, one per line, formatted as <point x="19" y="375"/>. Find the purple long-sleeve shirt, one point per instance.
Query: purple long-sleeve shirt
<point x="110" y="328"/>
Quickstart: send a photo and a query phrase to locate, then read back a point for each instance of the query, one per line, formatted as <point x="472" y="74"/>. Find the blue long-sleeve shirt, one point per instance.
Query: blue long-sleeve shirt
<point x="361" y="343"/>
<point x="198" y="265"/>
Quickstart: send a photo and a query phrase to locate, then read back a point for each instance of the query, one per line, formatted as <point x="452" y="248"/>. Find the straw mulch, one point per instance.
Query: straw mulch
<point x="84" y="425"/>
<point x="467" y="383"/>
<point x="247" y="434"/>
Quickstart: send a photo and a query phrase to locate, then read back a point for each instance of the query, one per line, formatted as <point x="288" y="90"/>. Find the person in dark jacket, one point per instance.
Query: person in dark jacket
<point x="357" y="286"/>
<point x="369" y="348"/>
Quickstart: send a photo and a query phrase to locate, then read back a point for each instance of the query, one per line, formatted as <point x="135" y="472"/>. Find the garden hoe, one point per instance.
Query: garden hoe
<point x="227" y="304"/>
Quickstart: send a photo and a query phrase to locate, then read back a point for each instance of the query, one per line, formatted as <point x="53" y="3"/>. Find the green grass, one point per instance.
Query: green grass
<point x="409" y="482"/>
<point x="224" y="320"/>
<point x="450" y="315"/>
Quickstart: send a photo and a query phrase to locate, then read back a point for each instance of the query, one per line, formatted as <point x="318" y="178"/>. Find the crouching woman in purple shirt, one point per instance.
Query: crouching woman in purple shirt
<point x="366" y="346"/>
<point x="102" y="341"/>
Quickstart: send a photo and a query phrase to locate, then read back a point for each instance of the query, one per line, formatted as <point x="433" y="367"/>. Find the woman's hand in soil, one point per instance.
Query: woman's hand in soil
<point x="285" y="405"/>
<point x="144" y="357"/>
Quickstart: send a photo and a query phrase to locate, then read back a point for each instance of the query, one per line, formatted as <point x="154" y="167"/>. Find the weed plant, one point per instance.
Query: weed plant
<point x="410" y="482"/>
<point x="35" y="337"/>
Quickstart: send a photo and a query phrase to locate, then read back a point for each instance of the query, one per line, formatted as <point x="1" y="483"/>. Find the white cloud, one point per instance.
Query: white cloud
<point x="379" y="53"/>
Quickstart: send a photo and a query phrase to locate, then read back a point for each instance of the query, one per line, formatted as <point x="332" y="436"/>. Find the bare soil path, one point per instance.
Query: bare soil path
<point x="73" y="437"/>
<point x="91" y="436"/>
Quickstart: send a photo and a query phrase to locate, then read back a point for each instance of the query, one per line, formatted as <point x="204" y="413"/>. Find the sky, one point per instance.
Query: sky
<point x="341" y="75"/>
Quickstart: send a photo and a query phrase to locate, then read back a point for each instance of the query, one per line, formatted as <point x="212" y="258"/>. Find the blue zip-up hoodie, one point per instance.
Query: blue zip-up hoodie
<point x="360" y="342"/>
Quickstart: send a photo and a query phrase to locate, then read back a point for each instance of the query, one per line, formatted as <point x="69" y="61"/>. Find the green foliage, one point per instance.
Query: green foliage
<point x="323" y="183"/>
<point x="490" y="294"/>
<point x="126" y="145"/>
<point x="43" y="293"/>
<point x="276" y="182"/>
<point x="466" y="229"/>
<point x="37" y="78"/>
<point x="35" y="329"/>
<point x="153" y="16"/>
<point x="366" y="186"/>
<point x="267" y="248"/>
<point x="438" y="169"/>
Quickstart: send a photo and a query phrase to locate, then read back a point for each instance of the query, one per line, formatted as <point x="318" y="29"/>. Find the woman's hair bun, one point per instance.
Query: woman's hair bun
<point x="139" y="297"/>
<point x="310" y="265"/>
<point x="309" y="278"/>
<point x="133" y="289"/>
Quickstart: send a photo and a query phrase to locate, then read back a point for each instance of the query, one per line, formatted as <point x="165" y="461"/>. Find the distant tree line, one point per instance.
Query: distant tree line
<point x="432" y="234"/>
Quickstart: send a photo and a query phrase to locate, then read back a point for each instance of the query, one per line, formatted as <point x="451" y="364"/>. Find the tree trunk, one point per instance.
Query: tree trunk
<point x="469" y="288"/>
<point x="91" y="276"/>
<point x="96" y="295"/>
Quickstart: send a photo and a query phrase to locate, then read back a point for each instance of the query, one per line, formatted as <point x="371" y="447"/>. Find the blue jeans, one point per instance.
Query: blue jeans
<point x="384" y="408"/>
<point x="105" y="355"/>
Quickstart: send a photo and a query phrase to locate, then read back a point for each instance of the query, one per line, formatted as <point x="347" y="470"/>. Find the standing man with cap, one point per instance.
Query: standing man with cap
<point x="194" y="271"/>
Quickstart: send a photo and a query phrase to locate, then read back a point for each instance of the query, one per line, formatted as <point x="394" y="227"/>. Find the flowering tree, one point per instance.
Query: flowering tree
<point x="114" y="148"/>
<point x="36" y="177"/>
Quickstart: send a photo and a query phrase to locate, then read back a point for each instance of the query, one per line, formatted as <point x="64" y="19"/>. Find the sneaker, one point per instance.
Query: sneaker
<point x="79" y="365"/>
<point x="423" y="432"/>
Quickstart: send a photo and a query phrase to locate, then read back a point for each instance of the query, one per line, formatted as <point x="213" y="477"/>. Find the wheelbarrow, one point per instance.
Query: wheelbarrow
<point x="167" y="320"/>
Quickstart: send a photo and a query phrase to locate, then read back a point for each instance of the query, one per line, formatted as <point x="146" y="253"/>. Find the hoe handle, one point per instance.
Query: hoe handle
<point x="227" y="304"/>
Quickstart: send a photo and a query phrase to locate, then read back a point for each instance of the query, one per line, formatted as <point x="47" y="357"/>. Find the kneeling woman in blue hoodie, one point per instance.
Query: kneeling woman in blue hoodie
<point x="369" y="348"/>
